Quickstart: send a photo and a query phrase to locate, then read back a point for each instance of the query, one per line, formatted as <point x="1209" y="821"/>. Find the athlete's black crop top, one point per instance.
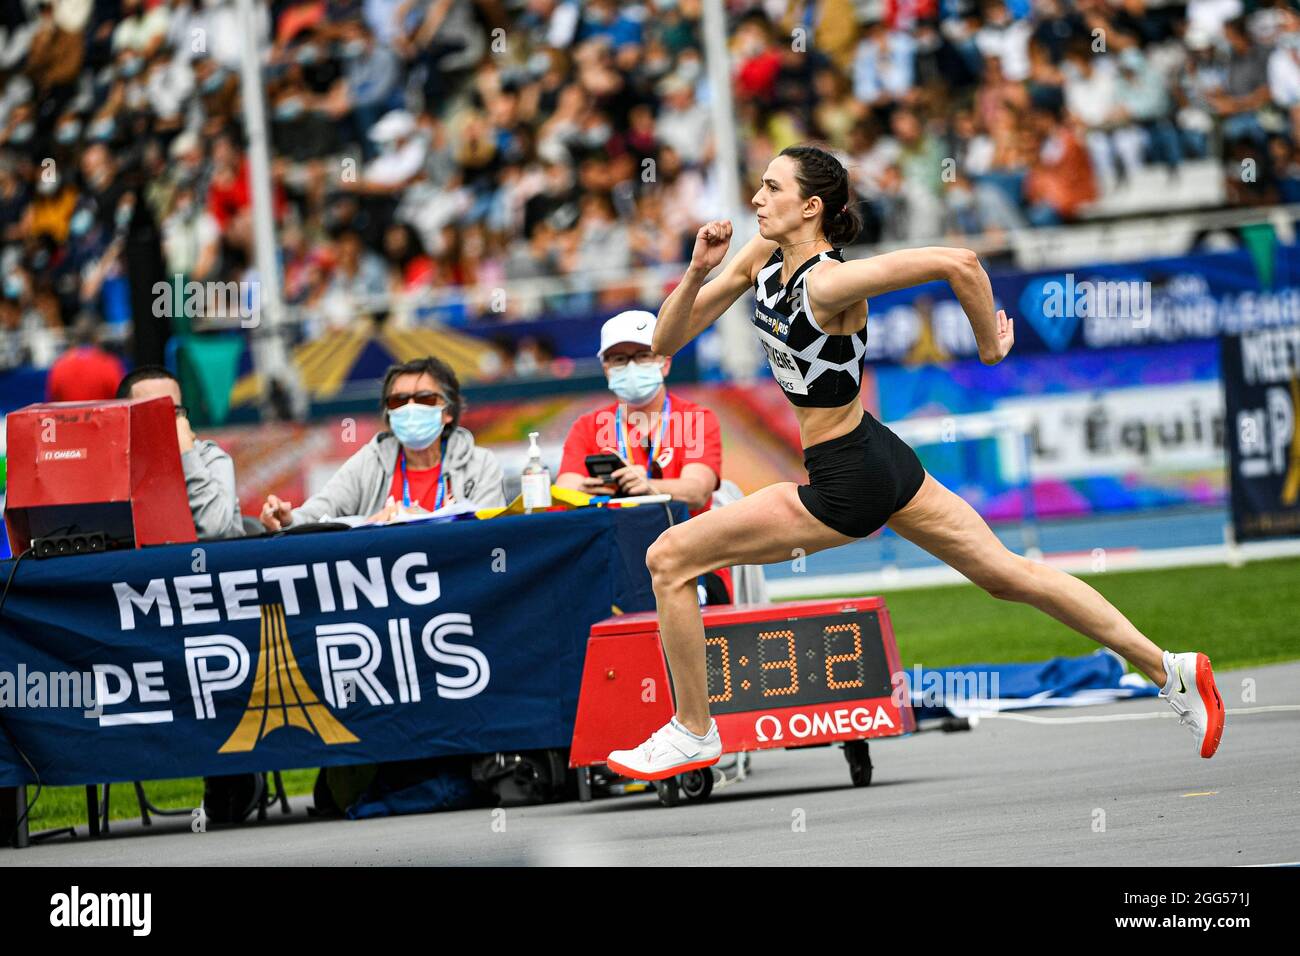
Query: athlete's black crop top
<point x="813" y="368"/>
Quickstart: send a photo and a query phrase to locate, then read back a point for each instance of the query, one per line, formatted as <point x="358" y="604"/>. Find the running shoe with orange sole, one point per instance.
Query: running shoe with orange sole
<point x="670" y="750"/>
<point x="1191" y="692"/>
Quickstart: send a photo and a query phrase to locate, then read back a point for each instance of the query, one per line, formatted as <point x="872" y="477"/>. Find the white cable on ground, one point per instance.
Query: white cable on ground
<point x="1107" y="718"/>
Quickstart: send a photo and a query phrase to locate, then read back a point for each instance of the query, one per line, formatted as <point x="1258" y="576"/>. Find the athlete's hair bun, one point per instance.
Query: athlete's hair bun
<point x="820" y="174"/>
<point x="844" y="226"/>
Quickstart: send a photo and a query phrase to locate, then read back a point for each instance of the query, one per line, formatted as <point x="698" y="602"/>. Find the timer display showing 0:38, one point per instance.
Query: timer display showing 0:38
<point x="762" y="665"/>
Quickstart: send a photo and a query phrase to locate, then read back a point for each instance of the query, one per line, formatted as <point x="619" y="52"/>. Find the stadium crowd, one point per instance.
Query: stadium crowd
<point x="434" y="144"/>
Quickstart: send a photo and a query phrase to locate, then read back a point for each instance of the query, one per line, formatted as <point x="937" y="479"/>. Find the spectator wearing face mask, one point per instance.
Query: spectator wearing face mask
<point x="191" y="239"/>
<point x="683" y="123"/>
<point x="371" y="79"/>
<point x="1245" y="86"/>
<point x="428" y="460"/>
<point x="18" y="129"/>
<point x="668" y="445"/>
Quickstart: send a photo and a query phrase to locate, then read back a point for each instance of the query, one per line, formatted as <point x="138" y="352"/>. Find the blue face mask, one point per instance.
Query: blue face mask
<point x="635" y="383"/>
<point x="214" y="82"/>
<point x="81" y="222"/>
<point x="288" y="109"/>
<point x="416" y="426"/>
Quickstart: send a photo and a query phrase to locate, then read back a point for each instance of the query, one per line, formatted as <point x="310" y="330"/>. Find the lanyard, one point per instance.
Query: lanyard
<point x="406" y="485"/>
<point x="624" y="445"/>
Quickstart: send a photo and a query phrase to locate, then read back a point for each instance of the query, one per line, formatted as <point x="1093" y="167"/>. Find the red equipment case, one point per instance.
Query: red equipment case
<point x="779" y="675"/>
<point x="112" y="467"/>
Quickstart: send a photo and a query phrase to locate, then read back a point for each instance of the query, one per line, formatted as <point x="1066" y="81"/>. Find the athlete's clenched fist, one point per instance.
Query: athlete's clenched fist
<point x="711" y="244"/>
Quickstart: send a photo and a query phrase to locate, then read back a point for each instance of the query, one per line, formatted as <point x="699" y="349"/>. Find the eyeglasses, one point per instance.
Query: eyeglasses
<point x="398" y="399"/>
<point x="645" y="357"/>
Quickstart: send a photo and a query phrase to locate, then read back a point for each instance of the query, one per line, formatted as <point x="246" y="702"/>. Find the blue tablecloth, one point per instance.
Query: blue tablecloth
<point x="341" y="647"/>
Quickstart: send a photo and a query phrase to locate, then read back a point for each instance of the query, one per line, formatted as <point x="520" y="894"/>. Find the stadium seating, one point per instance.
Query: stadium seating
<point x="426" y="153"/>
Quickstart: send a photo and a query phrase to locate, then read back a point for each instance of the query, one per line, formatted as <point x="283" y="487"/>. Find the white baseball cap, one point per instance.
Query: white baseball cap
<point x="636" y="325"/>
<point x="395" y="124"/>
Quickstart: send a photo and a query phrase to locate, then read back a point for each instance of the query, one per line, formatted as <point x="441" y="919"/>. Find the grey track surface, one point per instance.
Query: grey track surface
<point x="1009" y="792"/>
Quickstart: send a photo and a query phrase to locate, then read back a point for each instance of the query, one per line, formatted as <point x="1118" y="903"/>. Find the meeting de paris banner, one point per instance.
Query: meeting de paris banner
<point x="1261" y="382"/>
<point x="311" y="650"/>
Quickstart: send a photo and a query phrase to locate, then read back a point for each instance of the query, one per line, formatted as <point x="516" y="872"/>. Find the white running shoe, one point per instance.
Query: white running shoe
<point x="670" y="750"/>
<point x="1190" y="690"/>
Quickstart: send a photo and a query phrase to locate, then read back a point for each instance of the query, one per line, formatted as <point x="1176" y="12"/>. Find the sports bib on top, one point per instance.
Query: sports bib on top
<point x="813" y="368"/>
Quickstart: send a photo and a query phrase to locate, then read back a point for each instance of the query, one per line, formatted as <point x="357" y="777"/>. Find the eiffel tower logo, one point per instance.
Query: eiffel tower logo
<point x="926" y="350"/>
<point x="281" y="697"/>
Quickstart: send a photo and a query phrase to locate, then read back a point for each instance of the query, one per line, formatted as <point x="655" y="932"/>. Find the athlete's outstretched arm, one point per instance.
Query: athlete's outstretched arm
<point x="834" y="288"/>
<point x="695" y="304"/>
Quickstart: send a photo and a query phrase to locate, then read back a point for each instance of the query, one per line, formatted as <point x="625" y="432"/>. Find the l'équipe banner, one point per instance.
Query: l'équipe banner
<point x="341" y="647"/>
<point x="1107" y="431"/>
<point x="1261" y="383"/>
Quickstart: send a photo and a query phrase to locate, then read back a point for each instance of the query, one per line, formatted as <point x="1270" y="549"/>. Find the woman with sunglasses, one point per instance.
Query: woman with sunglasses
<point x="425" y="461"/>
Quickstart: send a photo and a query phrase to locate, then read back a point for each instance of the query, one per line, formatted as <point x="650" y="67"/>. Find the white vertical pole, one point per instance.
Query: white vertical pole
<point x="738" y="349"/>
<point x="270" y="354"/>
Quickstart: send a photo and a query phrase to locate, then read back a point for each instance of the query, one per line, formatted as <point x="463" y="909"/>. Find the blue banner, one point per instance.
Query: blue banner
<point x="341" y="647"/>
<point x="1261" y="379"/>
<point x="1119" y="430"/>
<point x="1101" y="306"/>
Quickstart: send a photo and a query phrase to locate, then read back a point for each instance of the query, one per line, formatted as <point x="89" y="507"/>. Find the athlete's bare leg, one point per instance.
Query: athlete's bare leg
<point x="950" y="529"/>
<point x="772" y="525"/>
<point x="768" y="526"/>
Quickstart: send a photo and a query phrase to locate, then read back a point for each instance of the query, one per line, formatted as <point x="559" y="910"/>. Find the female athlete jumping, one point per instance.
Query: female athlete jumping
<point x="811" y="317"/>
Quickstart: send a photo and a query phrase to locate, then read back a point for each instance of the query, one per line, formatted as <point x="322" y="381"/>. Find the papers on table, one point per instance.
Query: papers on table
<point x="446" y="513"/>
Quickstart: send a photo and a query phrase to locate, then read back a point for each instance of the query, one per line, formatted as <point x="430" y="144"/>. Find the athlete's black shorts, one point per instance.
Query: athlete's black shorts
<point x="857" y="481"/>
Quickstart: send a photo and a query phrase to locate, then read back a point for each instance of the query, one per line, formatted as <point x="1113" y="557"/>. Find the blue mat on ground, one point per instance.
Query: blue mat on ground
<point x="1095" y="678"/>
<point x="448" y="787"/>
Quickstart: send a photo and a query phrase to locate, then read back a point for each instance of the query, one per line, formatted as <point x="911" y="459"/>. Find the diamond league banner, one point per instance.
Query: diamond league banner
<point x="309" y="650"/>
<point x="1261" y="383"/>
<point x="1101" y="306"/>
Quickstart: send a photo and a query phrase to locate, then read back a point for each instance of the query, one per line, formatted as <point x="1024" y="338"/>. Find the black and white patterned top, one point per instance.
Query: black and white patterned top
<point x="813" y="368"/>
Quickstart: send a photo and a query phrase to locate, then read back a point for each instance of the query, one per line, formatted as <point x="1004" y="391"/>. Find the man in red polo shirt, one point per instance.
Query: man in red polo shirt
<point x="669" y="445"/>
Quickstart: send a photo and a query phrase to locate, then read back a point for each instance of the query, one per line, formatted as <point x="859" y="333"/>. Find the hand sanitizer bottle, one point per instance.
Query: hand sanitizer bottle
<point x="536" y="479"/>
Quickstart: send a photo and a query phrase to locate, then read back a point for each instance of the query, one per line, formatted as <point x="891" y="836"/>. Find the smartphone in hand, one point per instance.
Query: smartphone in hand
<point x="602" y="466"/>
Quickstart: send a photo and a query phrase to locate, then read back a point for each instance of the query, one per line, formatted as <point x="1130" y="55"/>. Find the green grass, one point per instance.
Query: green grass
<point x="1238" y="616"/>
<point x="66" y="806"/>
